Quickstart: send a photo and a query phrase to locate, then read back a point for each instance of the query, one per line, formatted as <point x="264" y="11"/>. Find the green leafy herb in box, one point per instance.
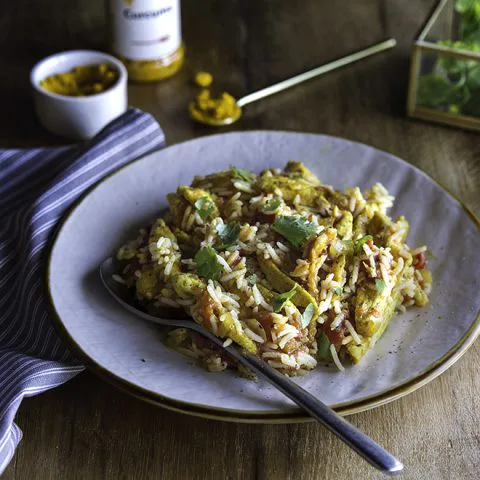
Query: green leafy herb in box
<point x="454" y="84"/>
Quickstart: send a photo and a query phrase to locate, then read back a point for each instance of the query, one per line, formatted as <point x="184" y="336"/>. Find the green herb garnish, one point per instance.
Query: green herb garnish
<point x="348" y="244"/>
<point x="308" y="315"/>
<point x="228" y="233"/>
<point x="323" y="346"/>
<point x="241" y="174"/>
<point x="359" y="243"/>
<point x="208" y="265"/>
<point x="380" y="285"/>
<point x="295" y="229"/>
<point x="337" y="290"/>
<point x="252" y="279"/>
<point x="205" y="207"/>
<point x="272" y="205"/>
<point x="281" y="299"/>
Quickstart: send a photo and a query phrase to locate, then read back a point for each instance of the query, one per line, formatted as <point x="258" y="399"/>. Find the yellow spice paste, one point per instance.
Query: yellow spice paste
<point x="203" y="79"/>
<point x="207" y="109"/>
<point x="82" y="80"/>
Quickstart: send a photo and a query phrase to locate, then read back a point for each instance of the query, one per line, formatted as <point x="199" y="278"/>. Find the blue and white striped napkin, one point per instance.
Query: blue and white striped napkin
<point x="36" y="187"/>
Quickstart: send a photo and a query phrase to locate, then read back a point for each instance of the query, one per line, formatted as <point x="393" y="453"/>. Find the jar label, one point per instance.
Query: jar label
<point x="145" y="29"/>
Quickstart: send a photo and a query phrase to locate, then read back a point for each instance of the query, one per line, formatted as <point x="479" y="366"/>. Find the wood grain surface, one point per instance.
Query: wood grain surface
<point x="87" y="429"/>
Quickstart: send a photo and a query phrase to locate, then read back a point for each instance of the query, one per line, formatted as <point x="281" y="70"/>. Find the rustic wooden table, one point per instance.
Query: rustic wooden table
<point x="87" y="429"/>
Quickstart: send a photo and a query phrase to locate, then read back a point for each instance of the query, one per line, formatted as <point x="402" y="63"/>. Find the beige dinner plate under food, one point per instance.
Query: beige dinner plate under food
<point x="417" y="346"/>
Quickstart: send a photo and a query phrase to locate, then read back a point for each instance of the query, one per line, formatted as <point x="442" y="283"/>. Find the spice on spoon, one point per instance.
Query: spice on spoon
<point x="82" y="80"/>
<point x="207" y="109"/>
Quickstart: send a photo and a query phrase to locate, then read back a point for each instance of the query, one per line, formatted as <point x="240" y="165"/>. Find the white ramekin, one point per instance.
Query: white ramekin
<point x="77" y="117"/>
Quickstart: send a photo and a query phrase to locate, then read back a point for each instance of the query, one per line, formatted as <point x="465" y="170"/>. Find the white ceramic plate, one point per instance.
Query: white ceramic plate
<point x="416" y="347"/>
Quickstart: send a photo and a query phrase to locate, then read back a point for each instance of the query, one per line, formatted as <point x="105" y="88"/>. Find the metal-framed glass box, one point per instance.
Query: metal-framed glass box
<point x="444" y="83"/>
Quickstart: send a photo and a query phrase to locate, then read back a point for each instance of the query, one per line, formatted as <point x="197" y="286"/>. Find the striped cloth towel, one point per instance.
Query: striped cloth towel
<point x="36" y="188"/>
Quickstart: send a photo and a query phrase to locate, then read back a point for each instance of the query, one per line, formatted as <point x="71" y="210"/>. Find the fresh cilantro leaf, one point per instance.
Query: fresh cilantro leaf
<point x="272" y="205"/>
<point x="380" y="285"/>
<point x="208" y="265"/>
<point x="308" y="315"/>
<point x="252" y="279"/>
<point x="205" y="207"/>
<point x="281" y="299"/>
<point x="337" y="290"/>
<point x="323" y="346"/>
<point x="228" y="233"/>
<point x="241" y="174"/>
<point x="359" y="243"/>
<point x="348" y="244"/>
<point x="295" y="229"/>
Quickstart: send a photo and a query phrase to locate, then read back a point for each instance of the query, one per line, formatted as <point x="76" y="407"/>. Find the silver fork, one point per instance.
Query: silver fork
<point x="354" y="438"/>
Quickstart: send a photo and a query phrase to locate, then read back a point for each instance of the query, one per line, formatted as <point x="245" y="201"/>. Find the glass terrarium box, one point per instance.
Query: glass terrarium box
<point x="445" y="69"/>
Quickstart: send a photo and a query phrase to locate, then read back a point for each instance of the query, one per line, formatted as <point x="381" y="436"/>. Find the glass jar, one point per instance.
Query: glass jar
<point x="146" y="35"/>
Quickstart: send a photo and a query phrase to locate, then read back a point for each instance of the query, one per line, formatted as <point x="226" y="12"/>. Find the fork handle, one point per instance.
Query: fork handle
<point x="368" y="449"/>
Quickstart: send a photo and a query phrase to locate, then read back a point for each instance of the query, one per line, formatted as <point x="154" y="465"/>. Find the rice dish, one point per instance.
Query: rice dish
<point x="278" y="264"/>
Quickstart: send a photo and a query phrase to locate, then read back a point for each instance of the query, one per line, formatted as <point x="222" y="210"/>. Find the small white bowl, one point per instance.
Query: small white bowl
<point x="77" y="117"/>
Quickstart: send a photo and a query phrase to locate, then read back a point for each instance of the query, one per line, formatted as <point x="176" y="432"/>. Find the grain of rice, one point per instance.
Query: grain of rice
<point x="232" y="275"/>
<point x="399" y="266"/>
<point x="257" y="199"/>
<point x="385" y="276"/>
<point x="237" y="324"/>
<point x="272" y="345"/>
<point x="189" y="223"/>
<point x="198" y="219"/>
<point x="251" y="334"/>
<point x="225" y="265"/>
<point x="283" y="247"/>
<point x="169" y="302"/>
<point x="354" y="276"/>
<point x="271" y="354"/>
<point x="212" y="293"/>
<point x="353" y="333"/>
<point x="401" y="308"/>
<point x="168" y="268"/>
<point x="306" y="360"/>
<point x="242" y="186"/>
<point x="227" y="342"/>
<point x="227" y="299"/>
<point x="273" y="254"/>
<point x="288" y="360"/>
<point x="214" y="324"/>
<point x="119" y="279"/>
<point x="324" y="305"/>
<point x="335" y="358"/>
<point x="352" y="204"/>
<point x="284" y="340"/>
<point x="233" y="257"/>
<point x="337" y="306"/>
<point x="186" y="215"/>
<point x="337" y="321"/>
<point x="347" y="340"/>
<point x="279" y="319"/>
